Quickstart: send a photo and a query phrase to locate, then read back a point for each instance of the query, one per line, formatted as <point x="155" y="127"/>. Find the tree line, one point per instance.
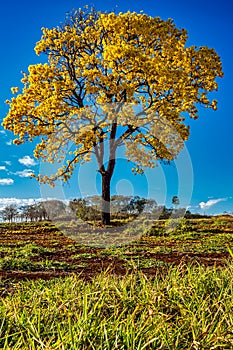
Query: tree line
<point x="31" y="212"/>
<point x="89" y="209"/>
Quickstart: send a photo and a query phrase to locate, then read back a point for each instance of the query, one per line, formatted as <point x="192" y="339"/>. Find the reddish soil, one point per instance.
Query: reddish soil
<point x="85" y="261"/>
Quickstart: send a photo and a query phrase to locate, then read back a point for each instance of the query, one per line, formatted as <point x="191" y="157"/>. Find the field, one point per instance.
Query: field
<point x="171" y="289"/>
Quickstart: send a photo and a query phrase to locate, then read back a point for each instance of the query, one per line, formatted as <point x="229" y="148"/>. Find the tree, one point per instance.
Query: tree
<point x="79" y="207"/>
<point x="136" y="205"/>
<point x="175" y="201"/>
<point x="125" y="78"/>
<point x="54" y="208"/>
<point x="34" y="212"/>
<point x="150" y="206"/>
<point x="9" y="213"/>
<point x="119" y="206"/>
<point x="28" y="212"/>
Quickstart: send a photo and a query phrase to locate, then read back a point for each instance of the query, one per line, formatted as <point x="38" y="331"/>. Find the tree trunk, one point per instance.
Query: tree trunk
<point x="107" y="173"/>
<point x="106" y="179"/>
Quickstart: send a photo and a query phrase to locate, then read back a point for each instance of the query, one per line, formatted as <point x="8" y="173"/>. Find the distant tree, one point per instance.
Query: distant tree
<point x="132" y="204"/>
<point x="175" y="201"/>
<point x="94" y="207"/>
<point x="188" y="214"/>
<point x="33" y="212"/>
<point x="150" y="206"/>
<point x="28" y="212"/>
<point x="79" y="207"/>
<point x="41" y="212"/>
<point x="120" y="205"/>
<point x="164" y="213"/>
<point x="100" y="66"/>
<point x="136" y="205"/>
<point x="54" y="208"/>
<point x="9" y="213"/>
<point x="73" y="205"/>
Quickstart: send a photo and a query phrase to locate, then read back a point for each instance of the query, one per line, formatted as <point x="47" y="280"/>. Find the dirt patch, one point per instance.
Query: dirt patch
<point x="57" y="256"/>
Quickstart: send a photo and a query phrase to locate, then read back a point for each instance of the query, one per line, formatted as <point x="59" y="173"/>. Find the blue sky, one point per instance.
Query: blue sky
<point x="205" y="164"/>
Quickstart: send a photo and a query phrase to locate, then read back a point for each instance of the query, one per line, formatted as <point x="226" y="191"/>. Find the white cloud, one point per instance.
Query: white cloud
<point x="192" y="207"/>
<point x="24" y="173"/>
<point x="7" y="162"/>
<point x="2" y="167"/>
<point x="6" y="182"/>
<point x="211" y="202"/>
<point x="4" y="202"/>
<point x="2" y="132"/>
<point x="27" y="161"/>
<point x="24" y="201"/>
<point x="9" y="143"/>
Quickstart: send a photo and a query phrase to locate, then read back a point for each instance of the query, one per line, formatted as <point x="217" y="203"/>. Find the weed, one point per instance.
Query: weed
<point x="84" y="256"/>
<point x="188" y="308"/>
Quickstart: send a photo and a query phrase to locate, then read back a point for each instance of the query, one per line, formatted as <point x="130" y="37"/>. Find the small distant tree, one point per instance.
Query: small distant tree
<point x="79" y="207"/>
<point x="119" y="204"/>
<point x="127" y="78"/>
<point x="29" y="212"/>
<point x="132" y="205"/>
<point x="188" y="214"/>
<point x="175" y="201"/>
<point x="136" y="205"/>
<point x="54" y="208"/>
<point x="41" y="212"/>
<point x="164" y="213"/>
<point x="9" y="213"/>
<point x="150" y="206"/>
<point x="33" y="212"/>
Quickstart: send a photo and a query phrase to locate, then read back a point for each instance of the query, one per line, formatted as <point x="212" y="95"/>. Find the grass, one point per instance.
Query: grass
<point x="25" y="264"/>
<point x="21" y="259"/>
<point x="189" y="308"/>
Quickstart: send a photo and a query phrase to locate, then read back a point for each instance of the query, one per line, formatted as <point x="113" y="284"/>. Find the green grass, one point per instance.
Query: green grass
<point x="25" y="264"/>
<point x="21" y="259"/>
<point x="190" y="307"/>
<point x="181" y="307"/>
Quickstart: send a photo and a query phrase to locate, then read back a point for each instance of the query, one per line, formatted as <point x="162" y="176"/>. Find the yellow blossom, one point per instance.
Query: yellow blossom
<point x="114" y="61"/>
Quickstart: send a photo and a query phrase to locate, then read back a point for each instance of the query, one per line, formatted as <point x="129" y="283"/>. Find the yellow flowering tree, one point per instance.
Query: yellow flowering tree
<point x="110" y="80"/>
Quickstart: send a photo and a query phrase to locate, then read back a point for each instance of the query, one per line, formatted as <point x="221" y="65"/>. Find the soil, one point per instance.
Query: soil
<point x="87" y="262"/>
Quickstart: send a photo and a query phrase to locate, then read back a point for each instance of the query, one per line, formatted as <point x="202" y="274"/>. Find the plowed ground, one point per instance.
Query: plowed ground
<point x="40" y="250"/>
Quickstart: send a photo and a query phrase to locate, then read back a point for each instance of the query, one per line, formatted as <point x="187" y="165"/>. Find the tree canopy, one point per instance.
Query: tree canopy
<point x="127" y="78"/>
